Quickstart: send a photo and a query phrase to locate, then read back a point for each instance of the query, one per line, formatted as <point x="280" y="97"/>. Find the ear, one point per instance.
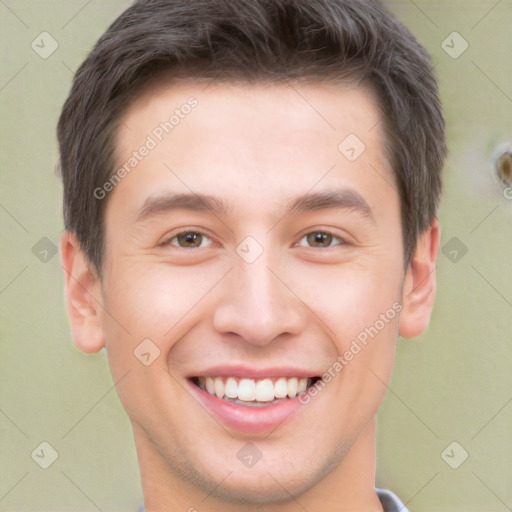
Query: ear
<point x="419" y="288"/>
<point x="83" y="296"/>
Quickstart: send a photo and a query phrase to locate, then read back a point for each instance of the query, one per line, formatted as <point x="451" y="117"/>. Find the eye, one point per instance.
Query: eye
<point x="319" y="239"/>
<point x="189" y="240"/>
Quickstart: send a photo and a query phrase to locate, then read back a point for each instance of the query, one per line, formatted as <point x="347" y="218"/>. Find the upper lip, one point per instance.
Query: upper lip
<point x="254" y="373"/>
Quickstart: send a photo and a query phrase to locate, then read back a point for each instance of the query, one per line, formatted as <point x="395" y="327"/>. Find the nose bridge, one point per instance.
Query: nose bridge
<point x="256" y="304"/>
<point x="259" y="288"/>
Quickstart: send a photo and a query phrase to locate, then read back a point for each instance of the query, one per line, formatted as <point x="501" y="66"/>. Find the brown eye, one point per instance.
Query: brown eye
<point x="190" y="240"/>
<point x="319" y="239"/>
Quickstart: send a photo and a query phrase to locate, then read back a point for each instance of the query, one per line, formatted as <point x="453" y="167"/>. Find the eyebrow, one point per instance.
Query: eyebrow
<point x="158" y="204"/>
<point x="340" y="198"/>
<point x="347" y="198"/>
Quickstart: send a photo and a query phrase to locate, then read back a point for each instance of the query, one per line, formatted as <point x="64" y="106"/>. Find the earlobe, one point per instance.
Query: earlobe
<point x="83" y="296"/>
<point x="419" y="289"/>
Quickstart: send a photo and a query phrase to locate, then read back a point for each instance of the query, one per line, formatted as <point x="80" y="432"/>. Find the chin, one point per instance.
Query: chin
<point x="263" y="484"/>
<point x="262" y="489"/>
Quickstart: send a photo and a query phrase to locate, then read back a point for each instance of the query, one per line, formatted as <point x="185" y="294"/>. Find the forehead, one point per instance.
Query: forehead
<point x="313" y="108"/>
<point x="265" y="141"/>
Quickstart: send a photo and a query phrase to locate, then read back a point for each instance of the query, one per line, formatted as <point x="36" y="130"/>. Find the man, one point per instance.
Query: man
<point x="250" y="198"/>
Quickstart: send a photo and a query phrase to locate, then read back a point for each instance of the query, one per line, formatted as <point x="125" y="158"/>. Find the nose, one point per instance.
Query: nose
<point x="257" y="304"/>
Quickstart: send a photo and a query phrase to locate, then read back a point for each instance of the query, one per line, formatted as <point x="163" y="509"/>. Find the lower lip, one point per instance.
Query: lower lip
<point x="245" y="418"/>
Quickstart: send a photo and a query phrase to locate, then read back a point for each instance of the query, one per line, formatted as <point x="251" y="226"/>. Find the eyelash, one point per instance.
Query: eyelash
<point x="170" y="240"/>
<point x="340" y="240"/>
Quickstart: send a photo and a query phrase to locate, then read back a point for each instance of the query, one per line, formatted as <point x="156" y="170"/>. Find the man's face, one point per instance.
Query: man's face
<point x="252" y="251"/>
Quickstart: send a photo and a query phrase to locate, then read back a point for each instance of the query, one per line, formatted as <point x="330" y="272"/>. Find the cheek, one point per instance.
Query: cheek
<point x="350" y="297"/>
<point x="153" y="298"/>
<point x="359" y="311"/>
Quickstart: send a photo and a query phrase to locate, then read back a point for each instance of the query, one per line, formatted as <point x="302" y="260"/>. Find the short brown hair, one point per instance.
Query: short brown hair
<point x="253" y="41"/>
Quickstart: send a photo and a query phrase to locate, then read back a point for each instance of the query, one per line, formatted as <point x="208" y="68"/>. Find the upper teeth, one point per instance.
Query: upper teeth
<point x="249" y="390"/>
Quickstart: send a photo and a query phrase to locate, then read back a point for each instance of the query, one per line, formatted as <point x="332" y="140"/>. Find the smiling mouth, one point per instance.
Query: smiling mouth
<point x="254" y="392"/>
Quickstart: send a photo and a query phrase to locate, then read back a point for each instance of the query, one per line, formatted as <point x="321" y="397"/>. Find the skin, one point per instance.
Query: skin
<point x="257" y="148"/>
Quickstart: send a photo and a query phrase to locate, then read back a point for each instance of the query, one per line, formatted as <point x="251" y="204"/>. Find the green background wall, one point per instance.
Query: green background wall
<point x="453" y="384"/>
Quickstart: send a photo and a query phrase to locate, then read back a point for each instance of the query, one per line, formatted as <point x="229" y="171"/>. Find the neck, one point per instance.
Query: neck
<point x="349" y="486"/>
